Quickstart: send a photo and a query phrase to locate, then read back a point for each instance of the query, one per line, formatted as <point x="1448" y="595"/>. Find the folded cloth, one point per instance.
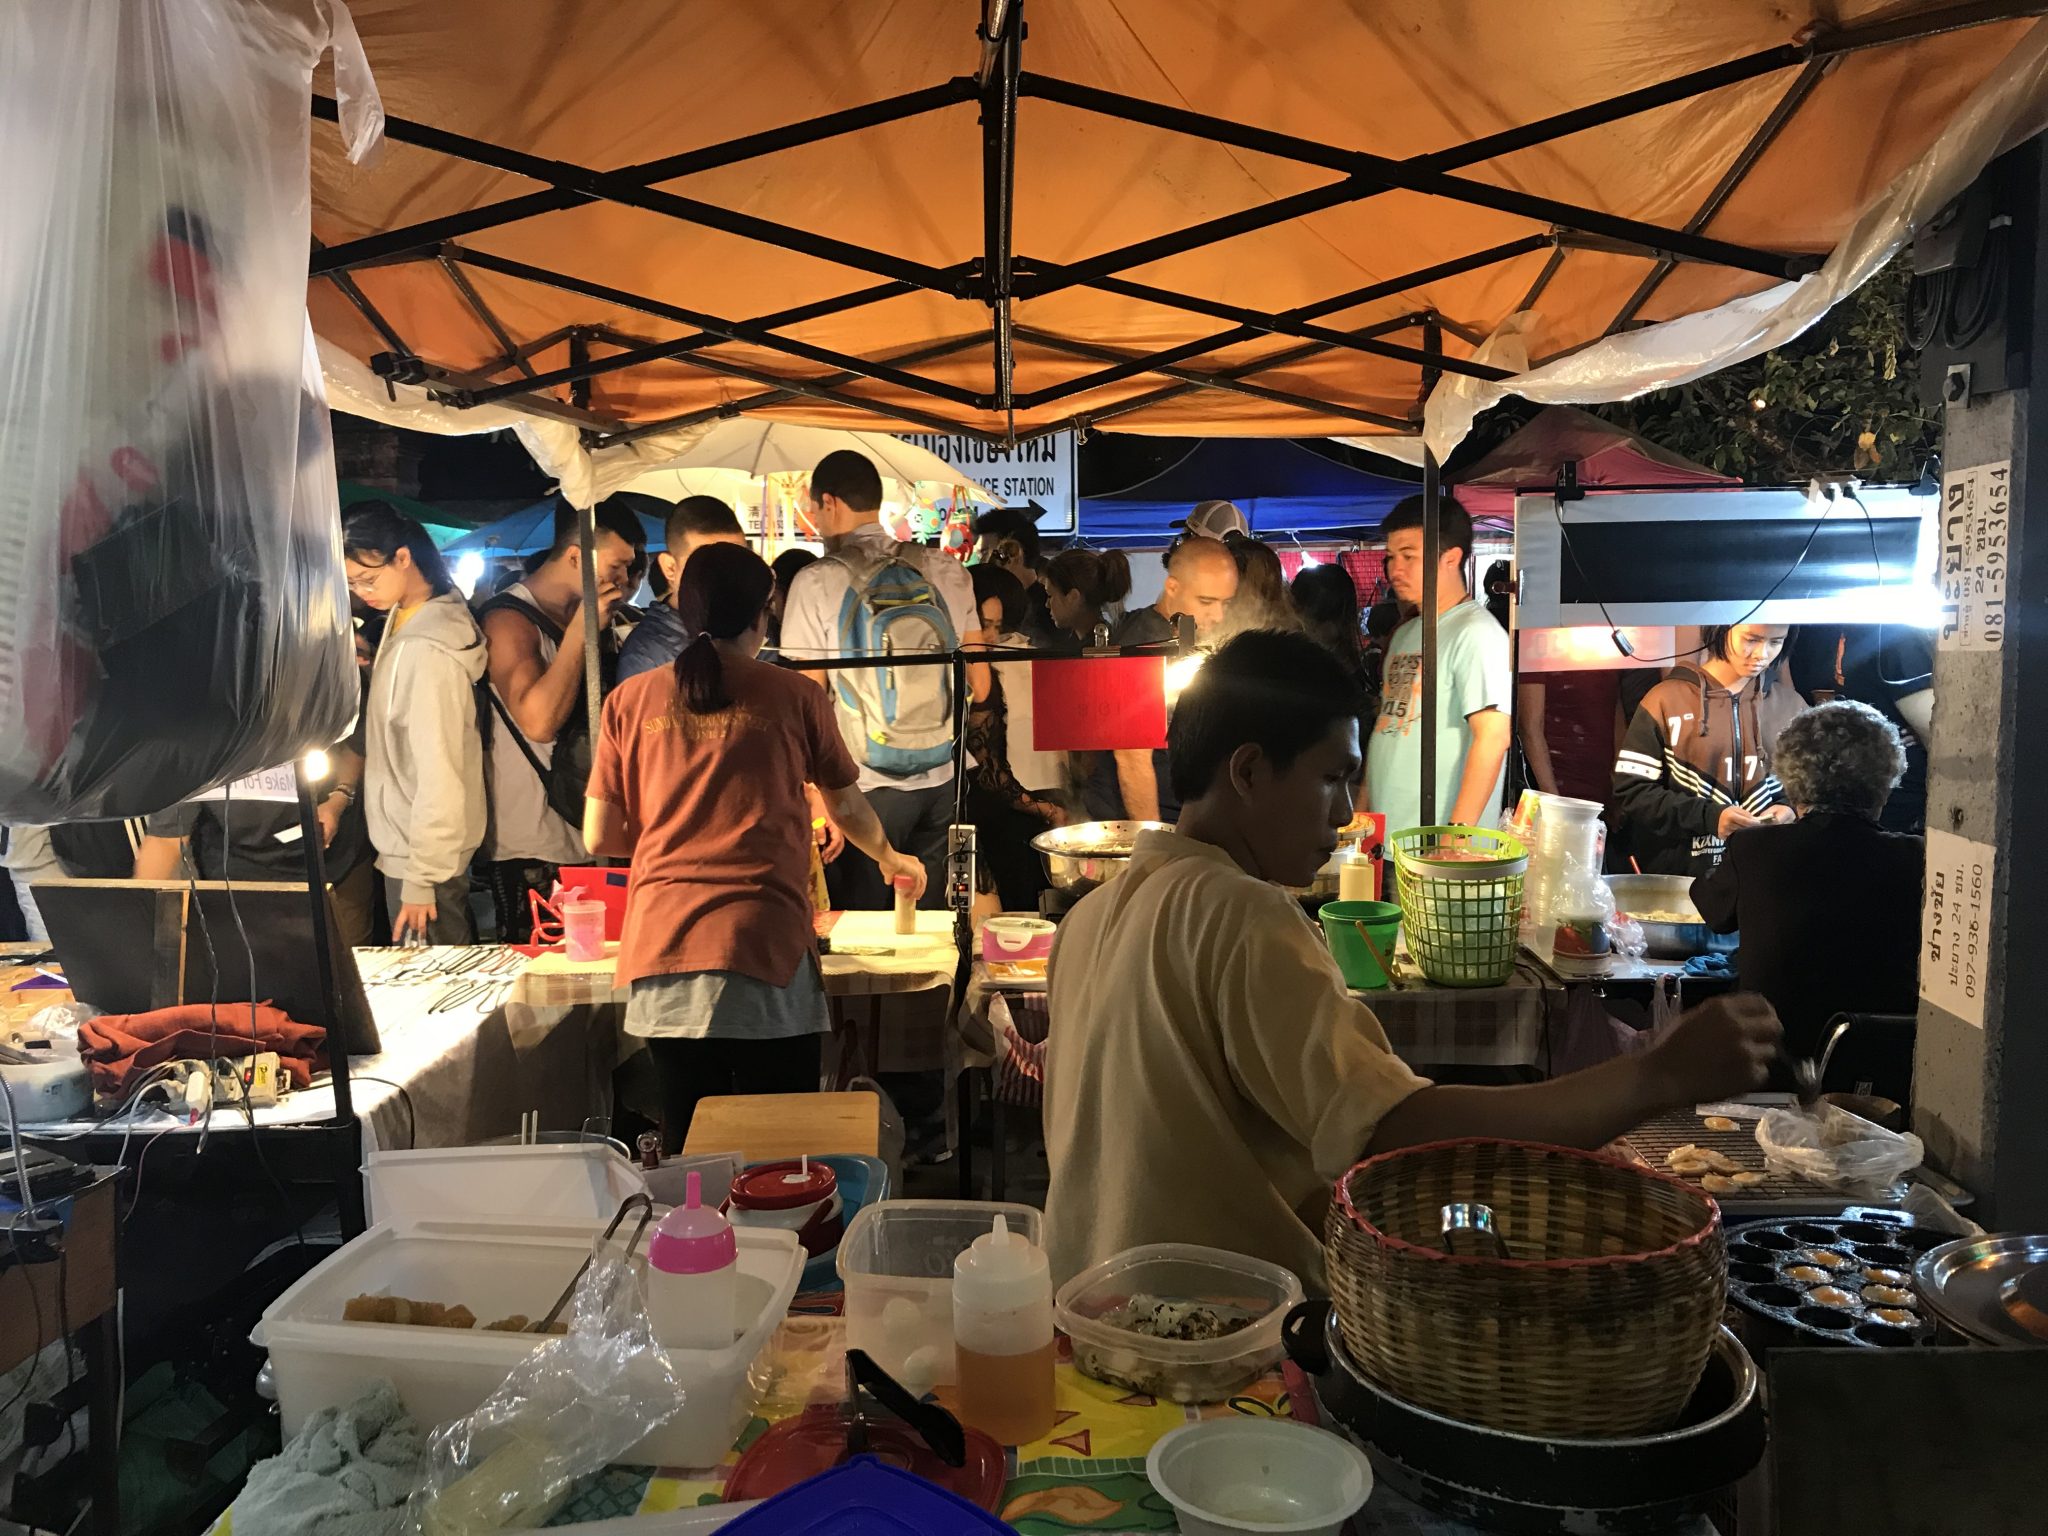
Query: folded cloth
<point x="347" y="1472"/>
<point x="120" y="1047"/>
<point x="1709" y="965"/>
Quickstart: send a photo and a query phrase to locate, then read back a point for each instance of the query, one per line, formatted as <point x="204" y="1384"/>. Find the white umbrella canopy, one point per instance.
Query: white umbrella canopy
<point x="733" y="486"/>
<point x="754" y="448"/>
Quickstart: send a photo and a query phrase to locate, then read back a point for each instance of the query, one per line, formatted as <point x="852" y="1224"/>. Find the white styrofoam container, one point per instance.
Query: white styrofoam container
<point x="568" y="1181"/>
<point x="497" y="1268"/>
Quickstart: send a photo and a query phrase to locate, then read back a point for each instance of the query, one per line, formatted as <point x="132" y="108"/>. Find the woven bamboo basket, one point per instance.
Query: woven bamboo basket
<point x="1598" y="1326"/>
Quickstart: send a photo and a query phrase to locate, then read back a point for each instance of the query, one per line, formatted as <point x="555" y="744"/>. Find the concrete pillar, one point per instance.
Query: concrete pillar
<point x="1981" y="1095"/>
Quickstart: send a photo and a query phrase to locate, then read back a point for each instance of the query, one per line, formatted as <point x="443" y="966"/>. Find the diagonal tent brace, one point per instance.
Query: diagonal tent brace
<point x="730" y="408"/>
<point x="417" y="238"/>
<point x="600" y="186"/>
<point x="1219" y="381"/>
<point x="1386" y="173"/>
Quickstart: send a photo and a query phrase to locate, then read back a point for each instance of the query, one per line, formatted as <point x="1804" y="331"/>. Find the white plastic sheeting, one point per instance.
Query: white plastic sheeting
<point x="172" y="606"/>
<point x="2011" y="107"/>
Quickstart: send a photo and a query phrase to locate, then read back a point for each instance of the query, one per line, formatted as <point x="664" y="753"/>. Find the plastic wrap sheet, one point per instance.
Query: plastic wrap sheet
<point x="2009" y="108"/>
<point x="173" y="611"/>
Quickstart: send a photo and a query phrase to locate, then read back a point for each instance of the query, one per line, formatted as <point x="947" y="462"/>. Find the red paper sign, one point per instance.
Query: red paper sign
<point x="1098" y="704"/>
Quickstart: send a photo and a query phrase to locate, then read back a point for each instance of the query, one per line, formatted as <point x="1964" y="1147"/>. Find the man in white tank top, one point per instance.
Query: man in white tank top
<point x="535" y="636"/>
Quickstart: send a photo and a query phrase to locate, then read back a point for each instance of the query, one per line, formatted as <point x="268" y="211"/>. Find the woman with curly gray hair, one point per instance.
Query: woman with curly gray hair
<point x="1843" y="756"/>
<point x="1829" y="905"/>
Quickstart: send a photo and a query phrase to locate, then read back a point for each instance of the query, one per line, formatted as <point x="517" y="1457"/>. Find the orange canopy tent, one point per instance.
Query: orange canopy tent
<point x="1153" y="215"/>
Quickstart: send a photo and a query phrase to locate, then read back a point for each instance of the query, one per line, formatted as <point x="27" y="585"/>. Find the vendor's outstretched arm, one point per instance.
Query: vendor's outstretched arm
<point x="853" y="815"/>
<point x="1721" y="1048"/>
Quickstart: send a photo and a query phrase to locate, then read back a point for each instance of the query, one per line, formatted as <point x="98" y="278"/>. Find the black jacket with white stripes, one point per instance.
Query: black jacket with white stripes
<point x="1692" y="750"/>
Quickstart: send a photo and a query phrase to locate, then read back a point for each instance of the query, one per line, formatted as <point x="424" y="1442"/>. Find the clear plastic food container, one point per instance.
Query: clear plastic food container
<point x="1199" y="1286"/>
<point x="897" y="1264"/>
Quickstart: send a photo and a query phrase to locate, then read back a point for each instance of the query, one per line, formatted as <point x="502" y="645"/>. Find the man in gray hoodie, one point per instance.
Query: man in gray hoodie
<point x="423" y="780"/>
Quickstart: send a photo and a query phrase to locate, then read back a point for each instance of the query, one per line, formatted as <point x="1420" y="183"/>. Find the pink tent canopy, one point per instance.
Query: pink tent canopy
<point x="1606" y="455"/>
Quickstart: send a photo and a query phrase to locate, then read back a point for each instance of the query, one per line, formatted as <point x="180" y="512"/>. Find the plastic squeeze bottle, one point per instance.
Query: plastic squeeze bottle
<point x="692" y="1275"/>
<point x="1002" y="1330"/>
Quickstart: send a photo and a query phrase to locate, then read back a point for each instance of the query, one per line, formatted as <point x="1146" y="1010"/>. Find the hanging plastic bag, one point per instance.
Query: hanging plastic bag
<point x="1830" y="1146"/>
<point x="576" y="1404"/>
<point x="173" y="611"/>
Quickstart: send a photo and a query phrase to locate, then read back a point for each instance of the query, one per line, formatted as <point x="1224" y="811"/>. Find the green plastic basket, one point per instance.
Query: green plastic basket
<point x="1461" y="902"/>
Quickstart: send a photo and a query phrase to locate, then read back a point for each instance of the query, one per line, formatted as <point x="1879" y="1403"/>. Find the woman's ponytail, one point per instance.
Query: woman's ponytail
<point x="723" y="592"/>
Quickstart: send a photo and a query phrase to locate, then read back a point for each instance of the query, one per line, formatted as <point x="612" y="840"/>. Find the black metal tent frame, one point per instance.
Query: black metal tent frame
<point x="1000" y="276"/>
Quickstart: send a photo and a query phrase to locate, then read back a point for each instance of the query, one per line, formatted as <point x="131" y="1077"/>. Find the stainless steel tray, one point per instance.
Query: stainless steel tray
<point x="1962" y="1282"/>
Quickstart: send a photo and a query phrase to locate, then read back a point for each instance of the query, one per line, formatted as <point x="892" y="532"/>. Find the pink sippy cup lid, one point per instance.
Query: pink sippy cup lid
<point x="692" y="1239"/>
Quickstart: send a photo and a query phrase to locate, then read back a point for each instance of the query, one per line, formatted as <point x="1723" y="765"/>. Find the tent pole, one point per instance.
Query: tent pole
<point x="1002" y="36"/>
<point x="1432" y="550"/>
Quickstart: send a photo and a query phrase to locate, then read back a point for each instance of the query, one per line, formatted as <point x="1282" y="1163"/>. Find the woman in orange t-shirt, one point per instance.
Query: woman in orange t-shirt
<point x="699" y="777"/>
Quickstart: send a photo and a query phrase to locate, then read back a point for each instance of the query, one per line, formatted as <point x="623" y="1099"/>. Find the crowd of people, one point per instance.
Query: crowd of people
<point x="749" y="796"/>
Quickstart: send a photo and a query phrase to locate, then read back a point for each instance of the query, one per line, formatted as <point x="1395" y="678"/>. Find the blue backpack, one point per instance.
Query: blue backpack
<point x="898" y="720"/>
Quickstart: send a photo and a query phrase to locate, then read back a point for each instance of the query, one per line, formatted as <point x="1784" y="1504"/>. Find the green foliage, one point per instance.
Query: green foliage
<point x="1842" y="399"/>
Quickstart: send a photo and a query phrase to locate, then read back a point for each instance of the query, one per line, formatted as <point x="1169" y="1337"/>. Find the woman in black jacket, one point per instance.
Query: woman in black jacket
<point x="1828" y="905"/>
<point x="1695" y="764"/>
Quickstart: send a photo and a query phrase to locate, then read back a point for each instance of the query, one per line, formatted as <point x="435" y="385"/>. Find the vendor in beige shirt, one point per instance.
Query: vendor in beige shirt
<point x="1208" y="1074"/>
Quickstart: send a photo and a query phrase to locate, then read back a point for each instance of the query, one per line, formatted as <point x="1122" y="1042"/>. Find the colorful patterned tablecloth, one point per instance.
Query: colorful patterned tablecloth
<point x="1087" y="1474"/>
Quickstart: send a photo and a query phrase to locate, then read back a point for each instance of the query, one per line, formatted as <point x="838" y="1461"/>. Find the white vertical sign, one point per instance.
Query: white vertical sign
<point x="1976" y="504"/>
<point x="1955" y="923"/>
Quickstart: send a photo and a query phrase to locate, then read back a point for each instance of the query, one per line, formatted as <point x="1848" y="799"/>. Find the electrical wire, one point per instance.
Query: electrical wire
<point x="1877" y="564"/>
<point x="255" y="1034"/>
<point x="1564" y="537"/>
<point x="412" y="1119"/>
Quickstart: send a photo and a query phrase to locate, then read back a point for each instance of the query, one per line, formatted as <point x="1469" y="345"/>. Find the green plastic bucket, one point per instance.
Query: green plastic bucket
<point x="1341" y="922"/>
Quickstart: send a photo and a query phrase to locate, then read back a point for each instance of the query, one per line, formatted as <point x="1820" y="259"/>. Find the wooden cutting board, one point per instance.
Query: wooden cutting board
<point x="768" y="1127"/>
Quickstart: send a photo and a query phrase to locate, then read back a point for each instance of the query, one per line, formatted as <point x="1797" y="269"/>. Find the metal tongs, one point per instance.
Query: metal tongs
<point x="646" y="1215"/>
<point x="928" y="1421"/>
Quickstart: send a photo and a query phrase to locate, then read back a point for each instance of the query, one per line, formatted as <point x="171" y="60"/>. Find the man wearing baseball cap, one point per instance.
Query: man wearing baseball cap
<point x="1215" y="520"/>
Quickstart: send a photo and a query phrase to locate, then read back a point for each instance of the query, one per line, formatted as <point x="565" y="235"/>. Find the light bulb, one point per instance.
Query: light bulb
<point x="1181" y="671"/>
<point x="317" y="766"/>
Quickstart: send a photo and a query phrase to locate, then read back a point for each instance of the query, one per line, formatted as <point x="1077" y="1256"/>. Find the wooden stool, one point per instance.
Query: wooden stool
<point x="769" y="1127"/>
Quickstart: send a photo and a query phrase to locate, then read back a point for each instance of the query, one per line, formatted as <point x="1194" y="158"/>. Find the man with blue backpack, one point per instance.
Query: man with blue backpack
<point x="873" y="595"/>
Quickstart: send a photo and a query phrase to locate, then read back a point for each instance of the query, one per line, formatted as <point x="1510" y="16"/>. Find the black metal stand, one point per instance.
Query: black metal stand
<point x="345" y="1132"/>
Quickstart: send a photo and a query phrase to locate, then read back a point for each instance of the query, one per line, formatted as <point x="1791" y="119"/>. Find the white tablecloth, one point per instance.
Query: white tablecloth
<point x="468" y="1075"/>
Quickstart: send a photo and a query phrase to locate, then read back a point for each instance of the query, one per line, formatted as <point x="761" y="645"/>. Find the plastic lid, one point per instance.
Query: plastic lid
<point x="1001" y="1270"/>
<point x="903" y="883"/>
<point x="865" y="1496"/>
<point x="784" y="1186"/>
<point x="815" y="1441"/>
<point x="693" y="1239"/>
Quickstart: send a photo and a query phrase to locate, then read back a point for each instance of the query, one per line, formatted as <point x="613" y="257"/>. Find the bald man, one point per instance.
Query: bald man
<point x="1201" y="579"/>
